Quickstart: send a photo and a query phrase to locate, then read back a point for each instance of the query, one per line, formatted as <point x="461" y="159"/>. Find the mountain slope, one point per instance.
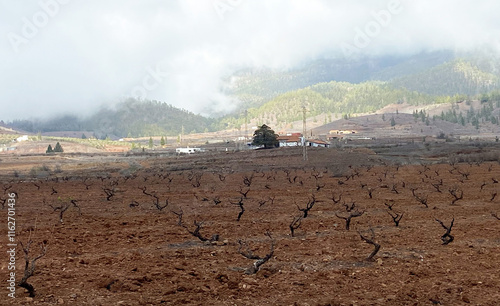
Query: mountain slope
<point x="129" y="118"/>
<point x="145" y="118"/>
<point x="327" y="98"/>
<point x="332" y="87"/>
<point x="436" y="73"/>
<point x="256" y="87"/>
<point x="455" y="77"/>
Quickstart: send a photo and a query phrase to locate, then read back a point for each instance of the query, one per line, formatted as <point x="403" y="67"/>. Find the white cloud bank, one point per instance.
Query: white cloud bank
<point x="72" y="55"/>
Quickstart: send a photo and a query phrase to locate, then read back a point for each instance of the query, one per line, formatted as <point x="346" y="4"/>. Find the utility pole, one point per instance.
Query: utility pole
<point x="182" y="133"/>
<point x="246" y="125"/>
<point x="304" y="131"/>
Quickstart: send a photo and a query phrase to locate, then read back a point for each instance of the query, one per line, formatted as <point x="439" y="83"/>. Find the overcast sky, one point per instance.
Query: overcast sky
<point x="62" y="56"/>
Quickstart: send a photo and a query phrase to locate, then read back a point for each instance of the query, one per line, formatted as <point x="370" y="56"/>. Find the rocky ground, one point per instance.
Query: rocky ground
<point x="121" y="240"/>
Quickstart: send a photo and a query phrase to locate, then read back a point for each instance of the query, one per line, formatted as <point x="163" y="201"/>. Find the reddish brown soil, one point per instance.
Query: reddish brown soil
<point x="116" y="253"/>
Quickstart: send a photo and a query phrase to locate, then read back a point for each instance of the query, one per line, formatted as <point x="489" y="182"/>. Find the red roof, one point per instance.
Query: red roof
<point x="291" y="138"/>
<point x="318" y="142"/>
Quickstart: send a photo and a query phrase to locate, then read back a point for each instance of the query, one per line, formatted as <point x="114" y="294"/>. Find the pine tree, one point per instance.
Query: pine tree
<point x="162" y="141"/>
<point x="49" y="150"/>
<point x="58" y="148"/>
<point x="393" y="122"/>
<point x="265" y="136"/>
<point x="150" y="142"/>
<point x="422" y="115"/>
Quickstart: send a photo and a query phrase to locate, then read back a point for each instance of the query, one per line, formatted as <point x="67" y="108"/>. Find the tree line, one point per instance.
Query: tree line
<point x="130" y="118"/>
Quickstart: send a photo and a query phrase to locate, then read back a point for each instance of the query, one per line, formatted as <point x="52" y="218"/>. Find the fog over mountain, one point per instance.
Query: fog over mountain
<point x="70" y="56"/>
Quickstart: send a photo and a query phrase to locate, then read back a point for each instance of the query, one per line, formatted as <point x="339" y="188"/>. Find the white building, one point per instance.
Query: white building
<point x="22" y="138"/>
<point x="291" y="140"/>
<point x="318" y="143"/>
<point x="188" y="150"/>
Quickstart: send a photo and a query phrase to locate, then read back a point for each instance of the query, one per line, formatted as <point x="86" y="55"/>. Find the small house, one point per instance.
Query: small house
<point x="318" y="143"/>
<point x="290" y="140"/>
<point x="188" y="150"/>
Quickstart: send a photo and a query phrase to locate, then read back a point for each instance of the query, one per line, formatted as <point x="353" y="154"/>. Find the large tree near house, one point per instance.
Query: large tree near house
<point x="265" y="136"/>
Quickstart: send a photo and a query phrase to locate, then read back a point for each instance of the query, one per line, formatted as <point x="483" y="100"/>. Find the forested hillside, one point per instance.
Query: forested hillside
<point x="486" y="110"/>
<point x="456" y="77"/>
<point x="328" y="87"/>
<point x="144" y="118"/>
<point x="339" y="98"/>
<point x="131" y="118"/>
<point x="256" y="87"/>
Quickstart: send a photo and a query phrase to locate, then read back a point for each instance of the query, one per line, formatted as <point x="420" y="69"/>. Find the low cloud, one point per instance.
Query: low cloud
<point x="89" y="53"/>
